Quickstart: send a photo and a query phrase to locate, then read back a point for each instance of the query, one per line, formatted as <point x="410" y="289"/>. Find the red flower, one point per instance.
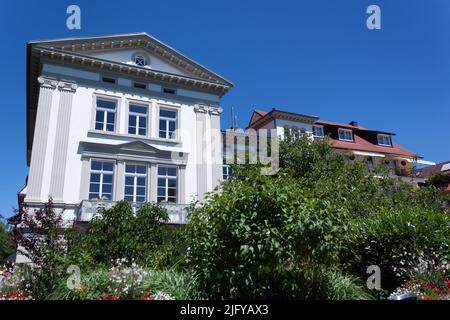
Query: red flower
<point x="438" y="291"/>
<point x="448" y="283"/>
<point x="114" y="297"/>
<point x="146" y="297"/>
<point x="105" y="296"/>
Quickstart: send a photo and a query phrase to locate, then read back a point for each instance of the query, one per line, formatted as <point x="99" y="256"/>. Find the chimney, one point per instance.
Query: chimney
<point x="354" y="123"/>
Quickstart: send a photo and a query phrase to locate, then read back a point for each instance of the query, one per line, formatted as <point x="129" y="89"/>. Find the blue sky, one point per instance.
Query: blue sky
<point x="314" y="56"/>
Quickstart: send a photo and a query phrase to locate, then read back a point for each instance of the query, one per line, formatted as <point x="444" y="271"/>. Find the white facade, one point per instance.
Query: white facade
<point x="81" y="102"/>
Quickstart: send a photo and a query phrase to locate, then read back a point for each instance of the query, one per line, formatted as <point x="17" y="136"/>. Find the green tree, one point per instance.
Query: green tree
<point x="6" y="244"/>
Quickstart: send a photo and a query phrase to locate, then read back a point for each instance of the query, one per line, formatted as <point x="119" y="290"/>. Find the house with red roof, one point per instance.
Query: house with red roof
<point x="443" y="169"/>
<point x="352" y="139"/>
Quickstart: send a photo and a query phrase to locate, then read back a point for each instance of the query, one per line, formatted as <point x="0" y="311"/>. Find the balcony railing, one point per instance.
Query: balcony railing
<point x="89" y="208"/>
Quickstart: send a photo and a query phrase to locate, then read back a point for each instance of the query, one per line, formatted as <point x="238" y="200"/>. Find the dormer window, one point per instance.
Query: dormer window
<point x="384" y="140"/>
<point x="345" y="135"/>
<point x="140" y="60"/>
<point x="318" y="131"/>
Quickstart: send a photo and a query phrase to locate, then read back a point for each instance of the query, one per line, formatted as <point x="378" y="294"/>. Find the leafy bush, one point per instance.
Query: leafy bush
<point x="118" y="233"/>
<point x="39" y="238"/>
<point x="393" y="239"/>
<point x="278" y="236"/>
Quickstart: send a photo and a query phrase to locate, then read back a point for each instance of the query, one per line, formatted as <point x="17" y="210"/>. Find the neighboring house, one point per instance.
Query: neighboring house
<point x="355" y="141"/>
<point x="442" y="168"/>
<point x="120" y="117"/>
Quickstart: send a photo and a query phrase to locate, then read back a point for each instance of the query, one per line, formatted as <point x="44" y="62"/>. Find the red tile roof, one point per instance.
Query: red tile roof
<point x="428" y="171"/>
<point x="361" y="144"/>
<point x="360" y="140"/>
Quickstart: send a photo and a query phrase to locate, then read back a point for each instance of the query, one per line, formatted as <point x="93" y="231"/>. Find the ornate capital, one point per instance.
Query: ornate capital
<point x="67" y="86"/>
<point x="200" y="108"/>
<point x="47" y="82"/>
<point x="215" y="110"/>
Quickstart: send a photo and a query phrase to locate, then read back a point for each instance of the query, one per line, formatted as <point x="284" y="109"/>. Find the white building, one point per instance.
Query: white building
<point x="120" y="117"/>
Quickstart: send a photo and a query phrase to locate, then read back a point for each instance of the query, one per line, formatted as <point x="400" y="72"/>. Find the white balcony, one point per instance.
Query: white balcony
<point x="89" y="208"/>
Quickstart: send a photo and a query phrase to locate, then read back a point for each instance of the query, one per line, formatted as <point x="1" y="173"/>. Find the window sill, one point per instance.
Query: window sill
<point x="135" y="137"/>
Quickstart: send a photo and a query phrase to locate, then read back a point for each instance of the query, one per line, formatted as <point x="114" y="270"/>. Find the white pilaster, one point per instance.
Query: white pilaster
<point x="36" y="172"/>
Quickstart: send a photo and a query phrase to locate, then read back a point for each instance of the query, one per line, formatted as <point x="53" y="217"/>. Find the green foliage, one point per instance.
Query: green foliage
<point x="280" y="236"/>
<point x="118" y="233"/>
<point x="439" y="180"/>
<point x="393" y="239"/>
<point x="6" y="244"/>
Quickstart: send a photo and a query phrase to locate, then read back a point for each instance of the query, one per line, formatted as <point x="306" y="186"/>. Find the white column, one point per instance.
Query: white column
<point x="36" y="172"/>
<point x="62" y="140"/>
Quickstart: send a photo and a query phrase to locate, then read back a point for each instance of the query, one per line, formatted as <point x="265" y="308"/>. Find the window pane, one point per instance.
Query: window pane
<point x="172" y="183"/>
<point x="167" y="113"/>
<point x="107" y="166"/>
<point x="110" y="127"/>
<point x="129" y="198"/>
<point x="140" y="191"/>
<point x="107" y="188"/>
<point x="129" y="181"/>
<point x="106" y="104"/>
<point x="142" y="132"/>
<point x="129" y="190"/>
<point x="99" y="116"/>
<point x="161" y="182"/>
<point x="138" y="109"/>
<point x="95" y="177"/>
<point x="162" y="134"/>
<point x="107" y="178"/>
<point x="110" y="117"/>
<point x="171" y="200"/>
<point x="141" y="169"/>
<point x="99" y="126"/>
<point x="162" y="171"/>
<point x="132" y="130"/>
<point x="140" y="199"/>
<point x="94" y="187"/>
<point x="161" y="199"/>
<point x="172" y="172"/>
<point x="132" y="121"/>
<point x="172" y="192"/>
<point x="141" y="181"/>
<point x="162" y="125"/>
<point x="161" y="192"/>
<point x="96" y="165"/>
<point x="130" y="168"/>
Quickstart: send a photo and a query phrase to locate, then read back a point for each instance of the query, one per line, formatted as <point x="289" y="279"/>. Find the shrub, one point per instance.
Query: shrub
<point x="40" y="239"/>
<point x="393" y="239"/>
<point x="118" y="233"/>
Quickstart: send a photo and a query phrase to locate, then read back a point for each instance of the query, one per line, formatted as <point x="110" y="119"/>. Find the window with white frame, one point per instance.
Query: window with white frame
<point x="137" y="119"/>
<point x="167" y="123"/>
<point x="384" y="140"/>
<point x="140" y="60"/>
<point x="318" y="131"/>
<point x="167" y="184"/>
<point x="101" y="180"/>
<point x="345" y="135"/>
<point x="135" y="183"/>
<point x="226" y="172"/>
<point x="105" y="114"/>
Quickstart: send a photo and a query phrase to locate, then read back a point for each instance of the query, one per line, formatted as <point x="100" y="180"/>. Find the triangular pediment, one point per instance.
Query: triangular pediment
<point x="138" y="146"/>
<point x="124" y="48"/>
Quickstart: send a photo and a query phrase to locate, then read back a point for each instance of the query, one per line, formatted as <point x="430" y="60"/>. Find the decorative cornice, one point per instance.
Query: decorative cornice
<point x="49" y="83"/>
<point x="93" y="62"/>
<point x="67" y="86"/>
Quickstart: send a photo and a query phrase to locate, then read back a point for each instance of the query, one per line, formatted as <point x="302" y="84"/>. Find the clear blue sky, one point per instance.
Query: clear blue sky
<point x="313" y="56"/>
